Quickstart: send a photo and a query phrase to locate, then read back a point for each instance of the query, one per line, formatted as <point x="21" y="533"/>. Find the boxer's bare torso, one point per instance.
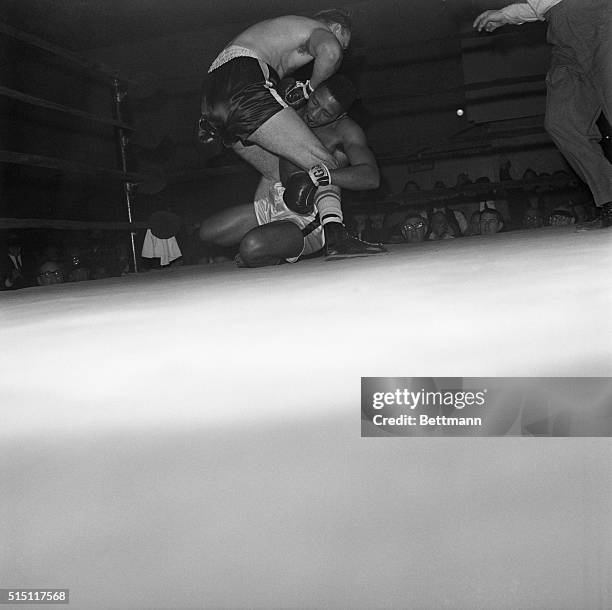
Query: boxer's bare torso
<point x="283" y="43"/>
<point x="335" y="135"/>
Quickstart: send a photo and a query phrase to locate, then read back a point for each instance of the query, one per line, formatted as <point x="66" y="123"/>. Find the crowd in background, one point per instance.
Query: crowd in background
<point x="469" y="208"/>
<point x="477" y="207"/>
<point x="54" y="260"/>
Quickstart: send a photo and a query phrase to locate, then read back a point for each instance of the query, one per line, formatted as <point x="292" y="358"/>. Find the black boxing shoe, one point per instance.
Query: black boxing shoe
<point x="339" y="244"/>
<point x="606" y="215"/>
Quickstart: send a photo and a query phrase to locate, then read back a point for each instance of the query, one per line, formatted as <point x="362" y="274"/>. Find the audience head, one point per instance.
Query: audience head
<point x="49" y="273"/>
<point x="439" y="225"/>
<point x="411" y="187"/>
<point x="414" y="228"/>
<point x="532" y="218"/>
<point x="491" y="221"/>
<point x="582" y="211"/>
<point x="474" y="224"/>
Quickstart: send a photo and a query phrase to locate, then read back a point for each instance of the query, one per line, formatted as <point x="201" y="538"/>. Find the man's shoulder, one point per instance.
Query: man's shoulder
<point x="297" y="22"/>
<point x="347" y="128"/>
<point x="341" y="131"/>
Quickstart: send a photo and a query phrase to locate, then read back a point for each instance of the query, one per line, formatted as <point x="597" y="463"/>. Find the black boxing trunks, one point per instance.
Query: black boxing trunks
<point x="238" y="96"/>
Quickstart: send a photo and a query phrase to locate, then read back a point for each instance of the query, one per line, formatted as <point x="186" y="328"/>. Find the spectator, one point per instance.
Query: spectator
<point x="99" y="256"/>
<point x="409" y="226"/>
<point x="440" y="229"/>
<point x="411" y="187"/>
<point x="530" y="174"/>
<point x="394" y="218"/>
<point x="532" y="218"/>
<point x="442" y="195"/>
<point x="16" y="267"/>
<point x="474" y="224"/>
<point x="504" y="169"/>
<point x="561" y="216"/>
<point x="463" y="180"/>
<point x="457" y="223"/>
<point x="376" y="232"/>
<point x="77" y="269"/>
<point x="414" y="229"/>
<point x="491" y="221"/>
<point x="583" y="211"/>
<point x="485" y="196"/>
<point x="50" y="272"/>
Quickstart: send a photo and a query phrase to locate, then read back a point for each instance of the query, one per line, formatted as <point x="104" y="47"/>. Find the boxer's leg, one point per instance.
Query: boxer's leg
<point x="271" y="243"/>
<point x="286" y="135"/>
<point x="228" y="227"/>
<point x="263" y="161"/>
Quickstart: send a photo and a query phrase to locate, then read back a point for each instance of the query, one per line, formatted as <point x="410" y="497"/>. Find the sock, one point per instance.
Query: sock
<point x="328" y="204"/>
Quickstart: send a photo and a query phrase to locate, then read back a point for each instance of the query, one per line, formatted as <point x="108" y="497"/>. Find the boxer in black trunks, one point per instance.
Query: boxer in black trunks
<point x="242" y="107"/>
<point x="268" y="230"/>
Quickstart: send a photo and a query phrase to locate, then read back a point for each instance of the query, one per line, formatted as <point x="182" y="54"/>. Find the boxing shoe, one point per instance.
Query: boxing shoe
<point x="339" y="243"/>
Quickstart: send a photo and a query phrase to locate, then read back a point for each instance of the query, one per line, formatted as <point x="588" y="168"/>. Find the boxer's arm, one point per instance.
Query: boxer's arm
<point x="362" y="174"/>
<point x="327" y="53"/>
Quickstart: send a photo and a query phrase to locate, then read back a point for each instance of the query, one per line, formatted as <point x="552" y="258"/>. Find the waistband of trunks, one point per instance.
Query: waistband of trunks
<point x="231" y="53"/>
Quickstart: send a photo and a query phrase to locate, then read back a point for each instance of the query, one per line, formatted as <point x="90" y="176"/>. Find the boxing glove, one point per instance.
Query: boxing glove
<point x="295" y="93"/>
<point x="301" y="186"/>
<point x="299" y="193"/>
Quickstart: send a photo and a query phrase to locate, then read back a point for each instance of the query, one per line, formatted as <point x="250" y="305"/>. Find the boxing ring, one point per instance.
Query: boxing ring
<point x="190" y="438"/>
<point x="144" y="183"/>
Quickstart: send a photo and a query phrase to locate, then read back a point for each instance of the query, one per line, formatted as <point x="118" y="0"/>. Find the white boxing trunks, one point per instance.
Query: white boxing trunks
<point x="273" y="208"/>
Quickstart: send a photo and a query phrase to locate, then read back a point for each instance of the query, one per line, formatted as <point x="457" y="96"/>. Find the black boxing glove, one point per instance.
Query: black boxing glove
<point x="299" y="194"/>
<point x="301" y="187"/>
<point x="295" y="93"/>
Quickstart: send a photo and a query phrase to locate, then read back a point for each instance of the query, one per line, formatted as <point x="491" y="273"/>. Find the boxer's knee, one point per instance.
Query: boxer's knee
<point x="271" y="243"/>
<point x="252" y="246"/>
<point x="255" y="251"/>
